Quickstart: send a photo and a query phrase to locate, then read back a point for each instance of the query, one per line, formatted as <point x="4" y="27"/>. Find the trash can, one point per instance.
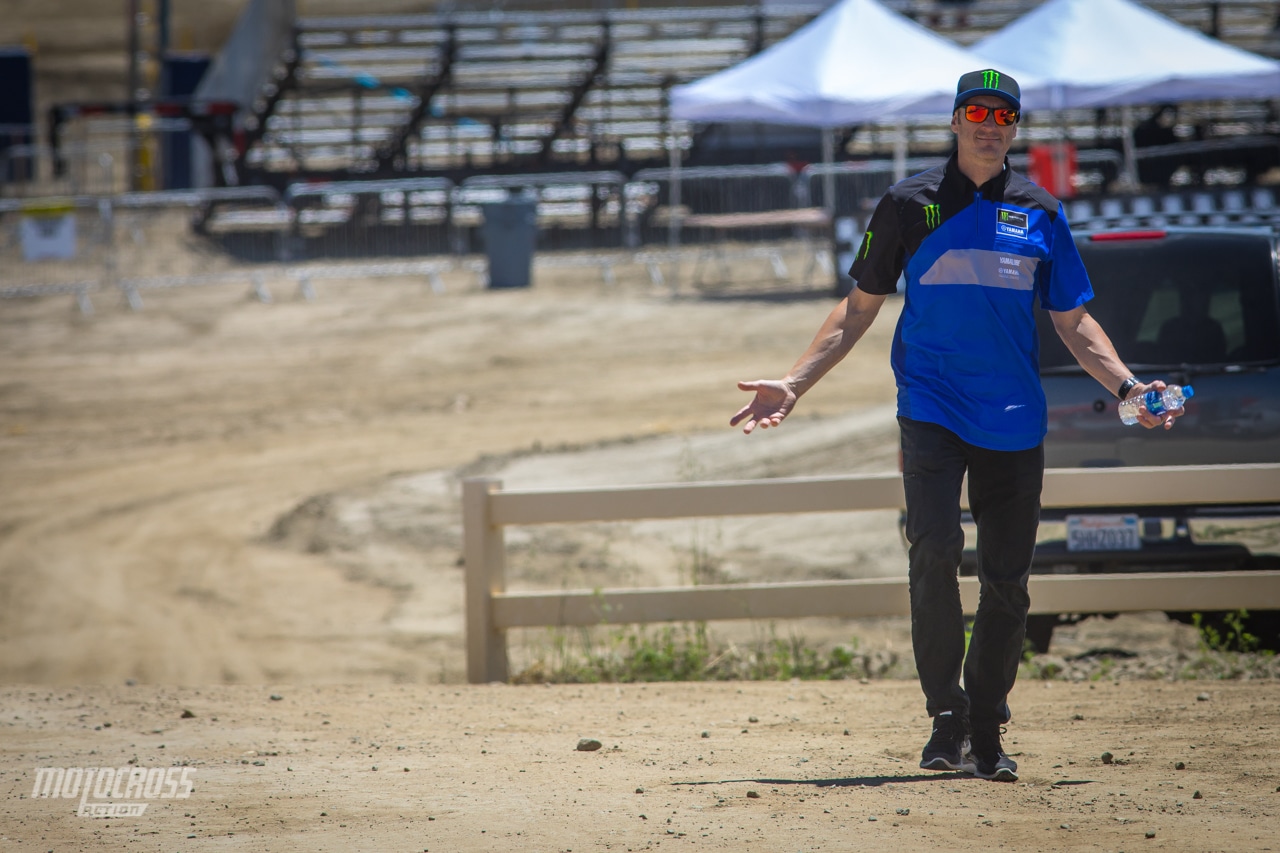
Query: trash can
<point x="510" y="233"/>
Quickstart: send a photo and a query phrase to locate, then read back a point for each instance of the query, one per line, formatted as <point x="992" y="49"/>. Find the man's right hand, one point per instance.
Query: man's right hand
<point x="774" y="400"/>
<point x="1145" y="417"/>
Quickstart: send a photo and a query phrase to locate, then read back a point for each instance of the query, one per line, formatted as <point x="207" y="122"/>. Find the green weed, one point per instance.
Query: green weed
<point x="688" y="652"/>
<point x="1227" y="634"/>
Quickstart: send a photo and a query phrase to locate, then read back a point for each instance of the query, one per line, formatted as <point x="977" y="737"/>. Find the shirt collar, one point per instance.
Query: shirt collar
<point x="992" y="190"/>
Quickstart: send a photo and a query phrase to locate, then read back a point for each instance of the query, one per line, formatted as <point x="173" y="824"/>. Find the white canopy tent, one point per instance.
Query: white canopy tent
<point x="856" y="63"/>
<point x="1100" y="53"/>
<point x="1097" y="53"/>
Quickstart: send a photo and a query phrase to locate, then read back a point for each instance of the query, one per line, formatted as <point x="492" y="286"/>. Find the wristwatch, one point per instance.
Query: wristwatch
<point x="1127" y="386"/>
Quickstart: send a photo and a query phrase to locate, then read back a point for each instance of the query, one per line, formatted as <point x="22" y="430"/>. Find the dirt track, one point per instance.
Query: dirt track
<point x="165" y="471"/>
<point x="831" y="767"/>
<point x="215" y="491"/>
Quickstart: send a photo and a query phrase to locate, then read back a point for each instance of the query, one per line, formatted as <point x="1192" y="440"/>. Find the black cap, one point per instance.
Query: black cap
<point x="987" y="82"/>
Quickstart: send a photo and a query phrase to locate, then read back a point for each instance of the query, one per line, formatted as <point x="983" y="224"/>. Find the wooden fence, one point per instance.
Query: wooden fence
<point x="491" y="610"/>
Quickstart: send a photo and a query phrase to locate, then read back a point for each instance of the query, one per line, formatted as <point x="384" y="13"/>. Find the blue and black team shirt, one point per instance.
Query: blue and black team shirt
<point x="965" y="353"/>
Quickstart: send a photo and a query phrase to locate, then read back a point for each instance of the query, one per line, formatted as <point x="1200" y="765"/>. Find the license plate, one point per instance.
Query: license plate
<point x="1103" y="533"/>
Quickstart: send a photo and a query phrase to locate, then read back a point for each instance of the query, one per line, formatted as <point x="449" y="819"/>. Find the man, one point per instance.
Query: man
<point x="978" y="244"/>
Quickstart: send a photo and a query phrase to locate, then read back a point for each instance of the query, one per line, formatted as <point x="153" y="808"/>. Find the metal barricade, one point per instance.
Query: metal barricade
<point x="370" y="219"/>
<point x="657" y="196"/>
<point x="1241" y="159"/>
<point x="50" y="246"/>
<point x="78" y="169"/>
<point x="575" y="210"/>
<point x="858" y="183"/>
<point x="85" y="245"/>
<point x="164" y="239"/>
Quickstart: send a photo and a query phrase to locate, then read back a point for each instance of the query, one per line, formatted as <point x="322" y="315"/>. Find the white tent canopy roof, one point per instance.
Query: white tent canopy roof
<point x="1094" y="53"/>
<point x="858" y="62"/>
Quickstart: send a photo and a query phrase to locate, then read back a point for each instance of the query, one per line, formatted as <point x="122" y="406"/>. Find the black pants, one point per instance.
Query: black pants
<point x="1004" y="498"/>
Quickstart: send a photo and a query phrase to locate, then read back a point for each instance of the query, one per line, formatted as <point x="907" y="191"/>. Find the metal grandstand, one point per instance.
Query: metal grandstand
<point x="478" y="91"/>
<point x="458" y="93"/>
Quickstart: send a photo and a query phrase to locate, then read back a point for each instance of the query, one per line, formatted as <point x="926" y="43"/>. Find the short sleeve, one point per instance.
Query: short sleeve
<point x="878" y="263"/>
<point x="1067" y="285"/>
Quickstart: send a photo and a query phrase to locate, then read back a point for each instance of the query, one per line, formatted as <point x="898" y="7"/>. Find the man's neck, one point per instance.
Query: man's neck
<point x="979" y="171"/>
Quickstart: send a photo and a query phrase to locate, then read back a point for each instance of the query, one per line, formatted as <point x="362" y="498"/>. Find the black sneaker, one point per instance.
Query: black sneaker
<point x="989" y="760"/>
<point x="948" y="747"/>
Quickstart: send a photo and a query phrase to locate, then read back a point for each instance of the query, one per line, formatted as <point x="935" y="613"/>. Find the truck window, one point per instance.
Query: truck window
<point x="1184" y="299"/>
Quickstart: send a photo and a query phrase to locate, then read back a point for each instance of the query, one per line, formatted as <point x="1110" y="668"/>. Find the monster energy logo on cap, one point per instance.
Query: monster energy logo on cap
<point x="988" y="82"/>
<point x="932" y="216"/>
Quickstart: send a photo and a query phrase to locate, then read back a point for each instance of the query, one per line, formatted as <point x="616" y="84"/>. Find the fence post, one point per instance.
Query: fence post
<point x="484" y="554"/>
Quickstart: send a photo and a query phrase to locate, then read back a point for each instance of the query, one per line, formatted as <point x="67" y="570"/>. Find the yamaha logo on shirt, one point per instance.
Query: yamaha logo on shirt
<point x="1011" y="223"/>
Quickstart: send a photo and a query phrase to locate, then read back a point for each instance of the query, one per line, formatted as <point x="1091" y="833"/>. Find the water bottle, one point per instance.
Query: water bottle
<point x="1157" y="402"/>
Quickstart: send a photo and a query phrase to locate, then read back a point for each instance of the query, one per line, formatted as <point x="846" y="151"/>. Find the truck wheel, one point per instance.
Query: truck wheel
<point x="1040" y="631"/>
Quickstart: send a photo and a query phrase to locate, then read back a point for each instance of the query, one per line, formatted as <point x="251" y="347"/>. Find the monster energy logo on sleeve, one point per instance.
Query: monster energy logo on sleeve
<point x="866" y="245"/>
<point x="932" y="216"/>
<point x="991" y="79"/>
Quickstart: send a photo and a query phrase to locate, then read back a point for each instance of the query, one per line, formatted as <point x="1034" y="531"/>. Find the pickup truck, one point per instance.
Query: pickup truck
<point x="1198" y="306"/>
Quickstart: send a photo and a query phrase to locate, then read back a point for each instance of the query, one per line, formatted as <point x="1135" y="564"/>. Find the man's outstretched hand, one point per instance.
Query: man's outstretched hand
<point x="774" y="400"/>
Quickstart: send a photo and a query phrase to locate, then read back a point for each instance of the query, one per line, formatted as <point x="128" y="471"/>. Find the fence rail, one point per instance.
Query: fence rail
<point x="491" y="609"/>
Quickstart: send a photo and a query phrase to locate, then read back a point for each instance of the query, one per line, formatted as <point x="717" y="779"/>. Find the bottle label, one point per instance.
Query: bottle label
<point x="1156" y="406"/>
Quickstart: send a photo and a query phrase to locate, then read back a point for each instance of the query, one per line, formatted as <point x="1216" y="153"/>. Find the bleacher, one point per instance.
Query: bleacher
<point x="1234" y="206"/>
<point x="460" y="93"/>
<point x="473" y="91"/>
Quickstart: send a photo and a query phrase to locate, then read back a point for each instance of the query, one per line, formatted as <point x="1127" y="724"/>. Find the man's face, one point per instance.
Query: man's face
<point x="985" y="141"/>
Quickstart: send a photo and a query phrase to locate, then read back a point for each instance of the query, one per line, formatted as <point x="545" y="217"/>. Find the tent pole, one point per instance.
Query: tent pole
<point x="1126" y="139"/>
<point x="828" y="176"/>
<point x="900" y="151"/>
<point x="1059" y="158"/>
<point x="673" y="221"/>
<point x="1060" y="176"/>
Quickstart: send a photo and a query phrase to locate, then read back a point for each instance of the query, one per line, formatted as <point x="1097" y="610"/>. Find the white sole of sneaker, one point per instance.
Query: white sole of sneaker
<point x="1003" y="774"/>
<point x="944" y="764"/>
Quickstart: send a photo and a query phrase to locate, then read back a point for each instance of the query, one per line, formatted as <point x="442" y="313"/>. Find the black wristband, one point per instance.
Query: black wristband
<point x="1127" y="386"/>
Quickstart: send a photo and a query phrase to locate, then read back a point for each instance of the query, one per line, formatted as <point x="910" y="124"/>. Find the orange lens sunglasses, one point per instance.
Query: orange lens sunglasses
<point x="977" y="114"/>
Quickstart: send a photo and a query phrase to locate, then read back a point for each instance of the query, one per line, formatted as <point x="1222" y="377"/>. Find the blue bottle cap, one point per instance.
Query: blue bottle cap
<point x="1188" y="391"/>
